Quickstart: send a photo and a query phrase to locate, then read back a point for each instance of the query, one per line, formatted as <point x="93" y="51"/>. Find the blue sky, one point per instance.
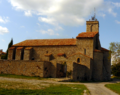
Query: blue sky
<point x="55" y="19"/>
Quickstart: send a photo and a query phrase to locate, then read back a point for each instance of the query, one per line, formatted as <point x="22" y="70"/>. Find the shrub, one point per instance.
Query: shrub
<point x="116" y="69"/>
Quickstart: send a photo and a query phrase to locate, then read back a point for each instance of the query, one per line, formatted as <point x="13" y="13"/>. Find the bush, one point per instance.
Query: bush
<point x="116" y="69"/>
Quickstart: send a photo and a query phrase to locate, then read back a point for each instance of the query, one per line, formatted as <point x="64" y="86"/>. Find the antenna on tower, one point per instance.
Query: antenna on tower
<point x="93" y="18"/>
<point x="94" y="13"/>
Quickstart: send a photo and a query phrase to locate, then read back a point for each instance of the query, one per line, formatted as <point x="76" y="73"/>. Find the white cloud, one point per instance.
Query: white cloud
<point x="49" y="32"/>
<point x="111" y="12"/>
<point x="4" y="19"/>
<point x="116" y="4"/>
<point x="67" y="12"/>
<point x="102" y="14"/>
<point x="118" y="22"/>
<point x="22" y="26"/>
<point x="3" y="30"/>
<point x="47" y="20"/>
<point x="28" y="13"/>
<point x="59" y="28"/>
<point x="38" y="24"/>
<point x="3" y="40"/>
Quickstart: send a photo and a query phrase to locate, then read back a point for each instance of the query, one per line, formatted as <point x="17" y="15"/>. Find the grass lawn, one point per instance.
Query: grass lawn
<point x="25" y="88"/>
<point x="20" y="76"/>
<point x="114" y="87"/>
<point x="60" y="89"/>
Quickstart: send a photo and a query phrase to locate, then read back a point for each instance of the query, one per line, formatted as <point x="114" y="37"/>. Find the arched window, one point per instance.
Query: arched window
<point x="78" y="60"/>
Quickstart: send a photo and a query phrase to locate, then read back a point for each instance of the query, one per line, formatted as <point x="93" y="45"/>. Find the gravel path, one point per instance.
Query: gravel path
<point x="96" y="88"/>
<point x="99" y="89"/>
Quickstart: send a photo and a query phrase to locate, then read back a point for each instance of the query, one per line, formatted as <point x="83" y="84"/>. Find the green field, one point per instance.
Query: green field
<point x="20" y="76"/>
<point x="114" y="87"/>
<point x="51" y="90"/>
<point x="29" y="88"/>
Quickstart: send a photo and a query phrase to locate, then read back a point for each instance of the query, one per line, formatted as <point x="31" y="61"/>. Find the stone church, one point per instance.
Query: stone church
<point x="81" y="58"/>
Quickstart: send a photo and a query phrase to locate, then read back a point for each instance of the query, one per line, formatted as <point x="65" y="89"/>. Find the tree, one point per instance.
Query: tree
<point x="116" y="69"/>
<point x="115" y="52"/>
<point x="9" y="45"/>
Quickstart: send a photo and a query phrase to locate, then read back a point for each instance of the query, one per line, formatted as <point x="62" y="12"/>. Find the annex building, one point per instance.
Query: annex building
<point x="81" y="58"/>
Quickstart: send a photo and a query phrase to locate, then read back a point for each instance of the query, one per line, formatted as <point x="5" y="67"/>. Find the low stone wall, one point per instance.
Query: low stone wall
<point x="28" y="68"/>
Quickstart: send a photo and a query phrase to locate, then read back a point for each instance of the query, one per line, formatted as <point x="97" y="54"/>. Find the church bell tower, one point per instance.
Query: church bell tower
<point x="92" y="25"/>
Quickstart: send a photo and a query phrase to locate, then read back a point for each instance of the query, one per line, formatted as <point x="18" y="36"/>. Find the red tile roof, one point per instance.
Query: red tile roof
<point x="1" y="52"/>
<point x="19" y="47"/>
<point x="87" y="35"/>
<point x="61" y="54"/>
<point x="47" y="42"/>
<point x="103" y="49"/>
<point x="11" y="47"/>
<point x="96" y="50"/>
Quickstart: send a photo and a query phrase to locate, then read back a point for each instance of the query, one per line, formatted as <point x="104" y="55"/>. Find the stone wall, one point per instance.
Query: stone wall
<point x="92" y="26"/>
<point x="98" y="66"/>
<point x="19" y="54"/>
<point x="106" y="66"/>
<point x="11" y="54"/>
<point x="97" y="44"/>
<point x="27" y="54"/>
<point x="27" y="68"/>
<point x="87" y="44"/>
<point x="80" y="69"/>
<point x="79" y="72"/>
<point x="39" y="52"/>
<point x="59" y="60"/>
<point x="47" y="69"/>
<point x="53" y="68"/>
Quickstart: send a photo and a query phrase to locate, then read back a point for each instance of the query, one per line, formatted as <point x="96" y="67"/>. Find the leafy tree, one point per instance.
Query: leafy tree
<point x="116" y="69"/>
<point x="9" y="45"/>
<point x="115" y="51"/>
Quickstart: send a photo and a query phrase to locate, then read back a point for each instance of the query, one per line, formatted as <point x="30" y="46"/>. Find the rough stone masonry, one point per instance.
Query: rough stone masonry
<point x="82" y="59"/>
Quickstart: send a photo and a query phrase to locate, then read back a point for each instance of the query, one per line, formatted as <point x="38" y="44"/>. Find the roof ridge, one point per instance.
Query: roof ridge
<point x="87" y="34"/>
<point x="47" y="42"/>
<point x="49" y="39"/>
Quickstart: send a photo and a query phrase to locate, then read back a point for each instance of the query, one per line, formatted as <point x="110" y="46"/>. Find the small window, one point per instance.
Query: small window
<point x="78" y="60"/>
<point x="84" y="51"/>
